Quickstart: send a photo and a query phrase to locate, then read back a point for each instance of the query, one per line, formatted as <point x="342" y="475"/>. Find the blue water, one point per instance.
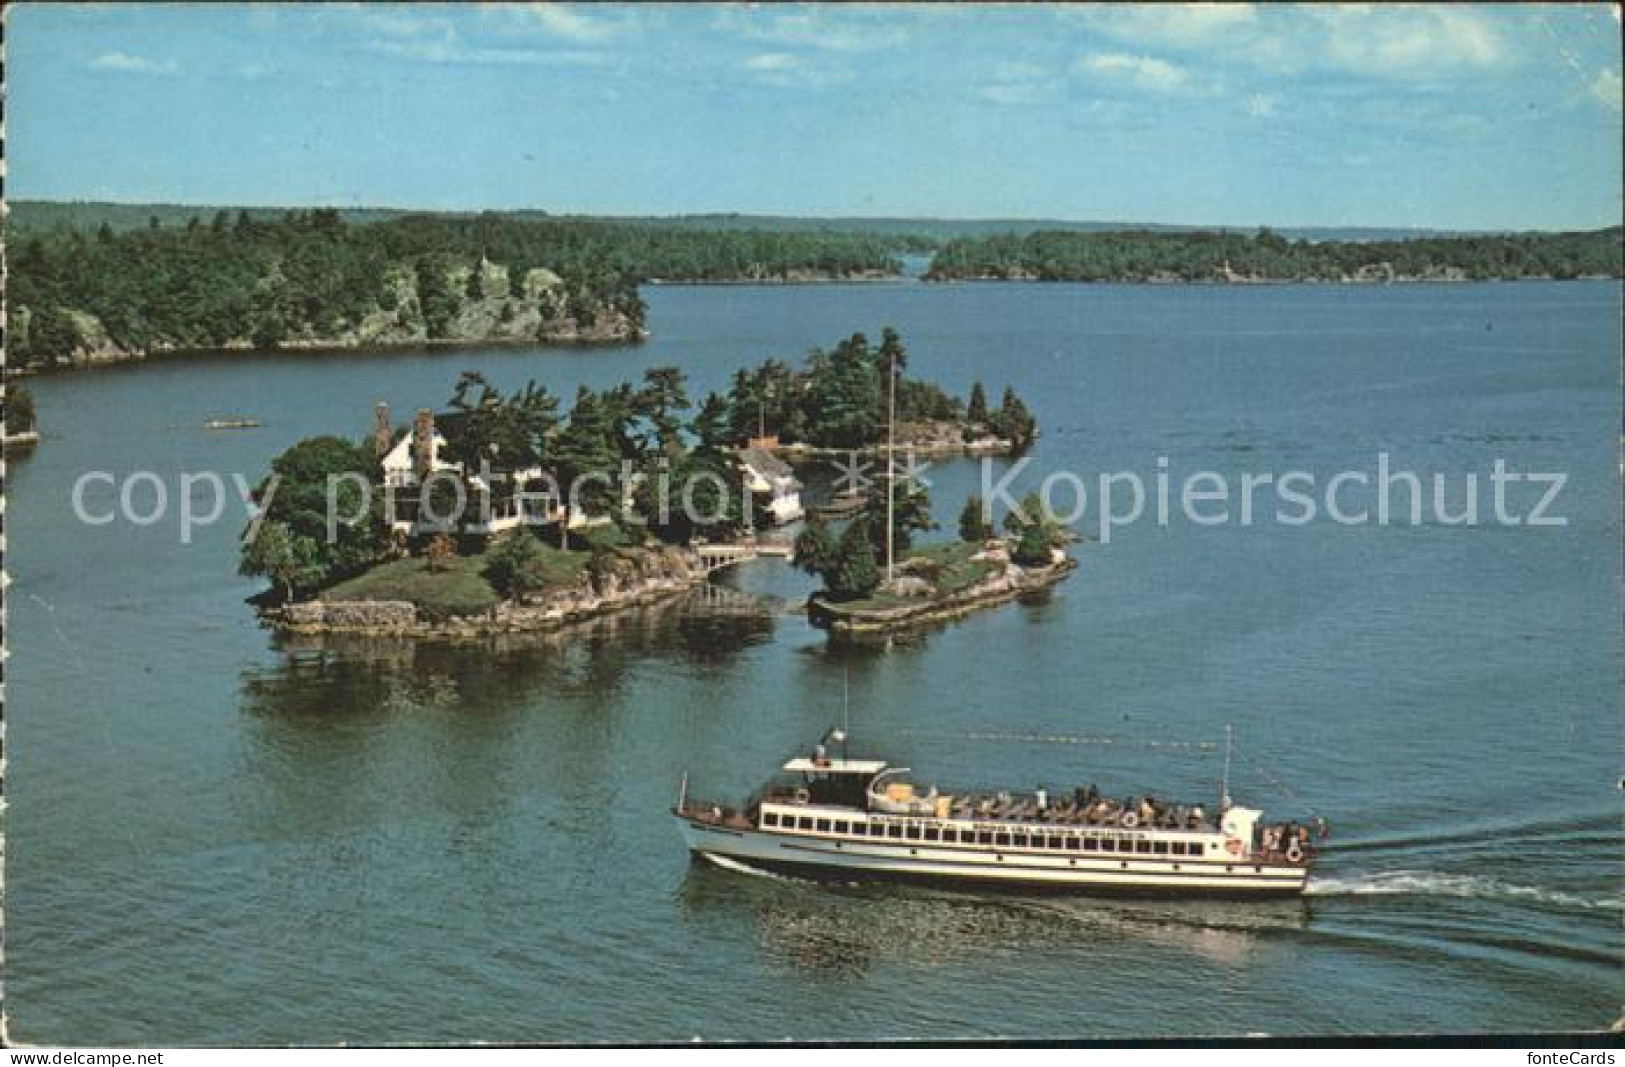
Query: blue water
<point x="217" y="835"/>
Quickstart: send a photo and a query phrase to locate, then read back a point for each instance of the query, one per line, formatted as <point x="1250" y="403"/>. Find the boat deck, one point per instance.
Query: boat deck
<point x="1025" y="808"/>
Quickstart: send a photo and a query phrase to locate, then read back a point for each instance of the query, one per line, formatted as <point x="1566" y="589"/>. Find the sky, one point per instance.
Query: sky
<point x="1447" y="117"/>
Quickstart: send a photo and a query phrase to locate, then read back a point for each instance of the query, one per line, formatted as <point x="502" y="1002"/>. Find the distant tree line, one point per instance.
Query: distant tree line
<point x="1138" y="256"/>
<point x="244" y="279"/>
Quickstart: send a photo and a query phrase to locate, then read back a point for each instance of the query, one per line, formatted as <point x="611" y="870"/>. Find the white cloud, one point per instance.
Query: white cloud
<point x="1607" y="88"/>
<point x="1168" y="25"/>
<point x="787" y="71"/>
<point x="855" y="29"/>
<point x="1408" y="41"/>
<point x="1145" y="73"/>
<point x="571" y="24"/>
<point x="125" y="63"/>
<point x="1018" y="85"/>
<point x="453" y="52"/>
<point x="433" y="39"/>
<point x="1403" y="41"/>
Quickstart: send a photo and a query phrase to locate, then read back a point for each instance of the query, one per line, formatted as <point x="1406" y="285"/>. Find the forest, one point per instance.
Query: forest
<point x="313" y="277"/>
<point x="1148" y="256"/>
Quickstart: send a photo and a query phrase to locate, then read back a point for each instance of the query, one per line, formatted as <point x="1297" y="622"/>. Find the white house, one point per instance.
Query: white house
<point x="773" y="483"/>
<point x="417" y="455"/>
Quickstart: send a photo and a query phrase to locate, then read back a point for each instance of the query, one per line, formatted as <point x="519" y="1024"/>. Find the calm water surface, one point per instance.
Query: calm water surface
<point x="215" y="835"/>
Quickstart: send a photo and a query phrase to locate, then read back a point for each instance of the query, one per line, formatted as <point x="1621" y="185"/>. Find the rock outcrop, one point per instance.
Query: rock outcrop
<point x="615" y="582"/>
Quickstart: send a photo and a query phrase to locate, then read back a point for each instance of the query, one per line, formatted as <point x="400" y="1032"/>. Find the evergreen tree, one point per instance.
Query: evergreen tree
<point x="586" y="458"/>
<point x="854" y="573"/>
<point x="516" y="564"/>
<point x="976" y="409"/>
<point x="910" y="514"/>
<point x="815" y="548"/>
<point x="973" y="521"/>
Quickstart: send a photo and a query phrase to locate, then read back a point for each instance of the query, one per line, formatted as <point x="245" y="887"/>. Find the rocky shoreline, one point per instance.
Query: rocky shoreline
<point x="631" y="581"/>
<point x="1011" y="582"/>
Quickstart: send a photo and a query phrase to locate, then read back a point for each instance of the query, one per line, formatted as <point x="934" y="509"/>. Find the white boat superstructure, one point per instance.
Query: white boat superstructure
<point x="860" y="818"/>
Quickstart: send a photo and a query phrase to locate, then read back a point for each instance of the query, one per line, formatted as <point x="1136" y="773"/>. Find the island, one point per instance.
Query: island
<point x="1168" y="256"/>
<point x="20" y="422"/>
<point x="504" y="513"/>
<point x="87" y="286"/>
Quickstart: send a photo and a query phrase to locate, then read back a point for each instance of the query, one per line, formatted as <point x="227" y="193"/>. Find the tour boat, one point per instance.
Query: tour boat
<point x="838" y="817"/>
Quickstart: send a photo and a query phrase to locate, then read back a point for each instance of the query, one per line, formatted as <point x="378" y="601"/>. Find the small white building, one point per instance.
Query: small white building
<point x="417" y="455"/>
<point x="771" y="481"/>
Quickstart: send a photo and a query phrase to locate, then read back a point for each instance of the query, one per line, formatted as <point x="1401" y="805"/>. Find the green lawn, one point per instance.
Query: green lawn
<point x="950" y="570"/>
<point x="459" y="589"/>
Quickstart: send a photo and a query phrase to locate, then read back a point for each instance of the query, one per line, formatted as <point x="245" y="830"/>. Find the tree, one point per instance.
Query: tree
<point x="976" y="409"/>
<point x="854" y="572"/>
<point x="286" y="559"/>
<point x="298" y="499"/>
<point x="910" y="513"/>
<point x="815" y="549"/>
<point x="1033" y="546"/>
<point x="1014" y="422"/>
<point x="20" y="417"/>
<point x="1035" y="531"/>
<point x="973" y="521"/>
<point x="586" y="459"/>
<point x="516" y="564"/>
<point x="440" y="552"/>
<point x="664" y="394"/>
<point x="713" y="423"/>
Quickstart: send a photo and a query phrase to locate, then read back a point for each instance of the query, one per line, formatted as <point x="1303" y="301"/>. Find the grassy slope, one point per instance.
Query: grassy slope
<point x="461" y="588"/>
<point x="957" y="571"/>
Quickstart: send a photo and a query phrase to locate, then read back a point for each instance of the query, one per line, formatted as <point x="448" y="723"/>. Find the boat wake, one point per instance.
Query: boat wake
<point x="734" y="865"/>
<point x="1462" y="886"/>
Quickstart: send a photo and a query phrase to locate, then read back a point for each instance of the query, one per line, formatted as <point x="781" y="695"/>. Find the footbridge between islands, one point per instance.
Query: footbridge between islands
<point x="714" y="557"/>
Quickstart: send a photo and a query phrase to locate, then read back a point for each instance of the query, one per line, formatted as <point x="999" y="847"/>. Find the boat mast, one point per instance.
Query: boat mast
<point x="891" y="454"/>
<point x="1224" y="782"/>
<point x="846" y="707"/>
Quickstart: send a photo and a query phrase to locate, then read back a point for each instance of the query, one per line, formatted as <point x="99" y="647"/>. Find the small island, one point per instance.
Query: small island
<point x="500" y="514"/>
<point x="19" y="419"/>
<point x="927" y="584"/>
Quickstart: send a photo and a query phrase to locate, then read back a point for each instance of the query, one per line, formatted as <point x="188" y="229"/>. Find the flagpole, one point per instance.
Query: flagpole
<point x="891" y="452"/>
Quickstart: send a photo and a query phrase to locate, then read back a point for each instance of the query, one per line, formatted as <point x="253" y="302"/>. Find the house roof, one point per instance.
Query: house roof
<point x="765" y="463"/>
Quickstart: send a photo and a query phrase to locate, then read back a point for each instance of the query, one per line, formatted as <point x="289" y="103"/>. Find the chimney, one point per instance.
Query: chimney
<point x="383" y="438"/>
<point x="423" y="444"/>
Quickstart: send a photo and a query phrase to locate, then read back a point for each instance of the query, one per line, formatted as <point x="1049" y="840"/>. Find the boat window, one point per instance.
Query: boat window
<point x="1018" y="840"/>
<point x="913" y="833"/>
<point x="1160" y="848"/>
<point x="823" y="826"/>
<point x="1177" y="847"/>
<point x="1056" y="841"/>
<point x="1142" y="846"/>
<point x="1091" y="844"/>
<point x="877" y="829"/>
<point x="770" y="818"/>
<point x="933" y="834"/>
<point x="1108" y="844"/>
<point x="1073" y="844"/>
<point x="805" y="822"/>
<point x="841" y="827"/>
<point x="1002" y="839"/>
<point x="894" y="830"/>
<point x="984" y="837"/>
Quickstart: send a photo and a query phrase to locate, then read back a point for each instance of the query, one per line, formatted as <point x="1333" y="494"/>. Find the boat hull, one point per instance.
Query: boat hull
<point x="846" y="860"/>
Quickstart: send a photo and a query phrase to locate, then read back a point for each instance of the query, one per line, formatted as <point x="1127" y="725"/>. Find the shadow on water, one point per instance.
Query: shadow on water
<point x="355" y="675"/>
<point x="840" y="928"/>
